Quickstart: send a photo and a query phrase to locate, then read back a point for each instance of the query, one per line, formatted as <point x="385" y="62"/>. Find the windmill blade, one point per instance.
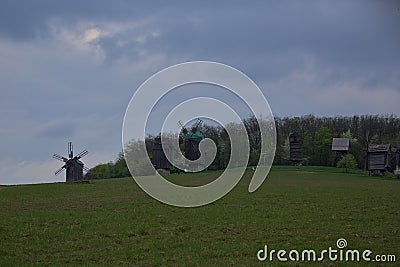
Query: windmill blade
<point x="82" y="154"/>
<point x="60" y="170"/>
<point x="197" y="124"/>
<point x="60" y="158"/>
<point x="184" y="130"/>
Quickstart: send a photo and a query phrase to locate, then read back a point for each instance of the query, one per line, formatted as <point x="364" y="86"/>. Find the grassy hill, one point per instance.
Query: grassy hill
<point x="113" y="222"/>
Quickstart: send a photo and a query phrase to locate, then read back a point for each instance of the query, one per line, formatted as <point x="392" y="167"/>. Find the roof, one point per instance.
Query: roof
<point x="379" y="148"/>
<point x="197" y="134"/>
<point x="340" y="144"/>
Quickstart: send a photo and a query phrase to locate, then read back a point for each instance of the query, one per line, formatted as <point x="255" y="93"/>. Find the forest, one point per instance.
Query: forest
<point x="317" y="134"/>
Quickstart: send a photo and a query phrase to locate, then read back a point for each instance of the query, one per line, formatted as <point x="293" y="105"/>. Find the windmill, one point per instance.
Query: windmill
<point x="73" y="166"/>
<point x="192" y="140"/>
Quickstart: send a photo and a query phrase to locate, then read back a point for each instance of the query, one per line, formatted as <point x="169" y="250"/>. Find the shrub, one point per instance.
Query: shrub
<point x="348" y="162"/>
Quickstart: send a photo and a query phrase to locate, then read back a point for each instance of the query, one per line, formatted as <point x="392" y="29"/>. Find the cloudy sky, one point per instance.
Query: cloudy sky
<point x="69" y="68"/>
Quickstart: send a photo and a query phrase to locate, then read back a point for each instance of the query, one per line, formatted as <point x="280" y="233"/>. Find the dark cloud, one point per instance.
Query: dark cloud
<point x="26" y="19"/>
<point x="269" y="41"/>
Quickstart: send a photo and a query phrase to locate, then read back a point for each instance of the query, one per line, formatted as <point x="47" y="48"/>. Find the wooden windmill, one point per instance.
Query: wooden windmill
<point x="73" y="166"/>
<point x="192" y="140"/>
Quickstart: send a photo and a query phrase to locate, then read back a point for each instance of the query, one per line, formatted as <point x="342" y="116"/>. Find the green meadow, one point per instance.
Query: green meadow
<point x="113" y="222"/>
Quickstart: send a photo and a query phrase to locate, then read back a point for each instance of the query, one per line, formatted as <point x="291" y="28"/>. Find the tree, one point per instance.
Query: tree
<point x="101" y="171"/>
<point x="308" y="148"/>
<point x="348" y="162"/>
<point x="317" y="135"/>
<point x="322" y="144"/>
<point x="120" y="169"/>
<point x="279" y="152"/>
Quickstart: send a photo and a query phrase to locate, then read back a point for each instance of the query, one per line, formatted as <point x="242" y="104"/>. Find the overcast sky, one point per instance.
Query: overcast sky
<point x="69" y="68"/>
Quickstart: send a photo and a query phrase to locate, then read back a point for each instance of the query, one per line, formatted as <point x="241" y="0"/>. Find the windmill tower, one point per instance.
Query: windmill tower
<point x="73" y="166"/>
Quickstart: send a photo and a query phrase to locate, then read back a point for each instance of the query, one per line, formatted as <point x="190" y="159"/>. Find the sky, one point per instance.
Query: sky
<point x="68" y="69"/>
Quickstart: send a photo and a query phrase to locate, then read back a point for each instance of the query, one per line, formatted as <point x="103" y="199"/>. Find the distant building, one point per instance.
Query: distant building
<point x="296" y="148"/>
<point x="159" y="160"/>
<point x="340" y="147"/>
<point x="379" y="158"/>
<point x="397" y="161"/>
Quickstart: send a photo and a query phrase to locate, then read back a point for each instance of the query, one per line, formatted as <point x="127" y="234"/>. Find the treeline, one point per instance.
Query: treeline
<point x="317" y="133"/>
<point x="111" y="169"/>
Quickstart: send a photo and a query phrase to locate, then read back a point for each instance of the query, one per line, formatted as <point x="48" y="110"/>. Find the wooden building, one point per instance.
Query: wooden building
<point x="397" y="161"/>
<point x="340" y="147"/>
<point x="296" y="148"/>
<point x="159" y="159"/>
<point x="379" y="158"/>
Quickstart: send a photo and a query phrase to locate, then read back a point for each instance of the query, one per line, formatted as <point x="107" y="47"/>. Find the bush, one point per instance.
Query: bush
<point x="348" y="162"/>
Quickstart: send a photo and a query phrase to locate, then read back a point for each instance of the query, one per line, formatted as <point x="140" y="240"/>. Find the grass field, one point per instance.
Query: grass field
<point x="113" y="222"/>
